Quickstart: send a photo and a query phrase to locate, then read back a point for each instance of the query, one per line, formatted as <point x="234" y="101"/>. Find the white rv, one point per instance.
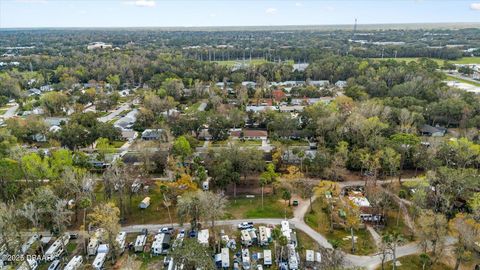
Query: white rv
<point x="203" y="236"/>
<point x="94" y="242"/>
<point x="318" y="257"/>
<point x="140" y="243"/>
<point x="161" y="244"/>
<point x="75" y="263"/>
<point x="246" y="258"/>
<point x="286" y="231"/>
<point x="264" y="239"/>
<point x="93" y="246"/>
<point x="309" y="257"/>
<point x="225" y="258"/>
<point x="246" y="238"/>
<point x="57" y="248"/>
<point x="99" y="261"/>
<point x="293" y="258"/>
<point x="26" y="246"/>
<point x="120" y="239"/>
<point x="32" y="265"/>
<point x="267" y="257"/>
<point x="101" y="257"/>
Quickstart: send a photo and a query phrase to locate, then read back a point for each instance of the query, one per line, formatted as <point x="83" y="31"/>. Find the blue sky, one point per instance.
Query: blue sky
<point x="138" y="13"/>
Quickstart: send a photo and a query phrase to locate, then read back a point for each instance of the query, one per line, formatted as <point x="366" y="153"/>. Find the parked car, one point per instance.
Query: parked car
<point x="144" y="231"/>
<point x="192" y="234"/>
<point x="245" y="225"/>
<point x="73" y="235"/>
<point x="165" y="230"/>
<point x="295" y="203"/>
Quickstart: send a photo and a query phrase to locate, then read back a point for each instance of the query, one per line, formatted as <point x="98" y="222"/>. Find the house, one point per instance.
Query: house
<point x="46" y="88"/>
<point x="39" y="137"/>
<point x="129" y="135"/>
<point x="341" y="84"/>
<point x="250" y="134"/>
<point x="98" y="45"/>
<point x="427" y="130"/>
<point x="127" y="121"/>
<point x="152" y="134"/>
<point x="292" y="108"/>
<point x="34" y="92"/>
<point x="321" y="83"/>
<point x="205" y="135"/>
<point x="260" y="108"/>
<point x="278" y="95"/>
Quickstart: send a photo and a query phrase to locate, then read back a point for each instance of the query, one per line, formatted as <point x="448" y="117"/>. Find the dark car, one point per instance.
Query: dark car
<point x="192" y="234"/>
<point x="295" y="203"/>
<point x="144" y="231"/>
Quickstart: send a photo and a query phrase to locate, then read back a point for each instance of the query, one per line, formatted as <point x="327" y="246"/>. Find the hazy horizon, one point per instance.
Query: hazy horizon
<point x="197" y="14"/>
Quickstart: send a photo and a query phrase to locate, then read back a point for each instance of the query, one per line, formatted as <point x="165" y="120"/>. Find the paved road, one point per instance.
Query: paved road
<point x="115" y="113"/>
<point x="11" y="112"/>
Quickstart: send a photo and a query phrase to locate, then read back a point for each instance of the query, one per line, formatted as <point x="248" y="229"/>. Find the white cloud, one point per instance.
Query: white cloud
<point x="475" y="6"/>
<point x="271" y="11"/>
<point x="298" y="4"/>
<point x="141" y="3"/>
<point x="213" y="15"/>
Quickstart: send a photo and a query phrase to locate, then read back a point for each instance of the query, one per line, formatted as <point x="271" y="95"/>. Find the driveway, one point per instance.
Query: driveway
<point x="114" y="113"/>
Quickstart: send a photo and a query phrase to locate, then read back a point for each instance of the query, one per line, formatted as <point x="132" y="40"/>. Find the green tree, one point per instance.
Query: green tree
<point x="181" y="148"/>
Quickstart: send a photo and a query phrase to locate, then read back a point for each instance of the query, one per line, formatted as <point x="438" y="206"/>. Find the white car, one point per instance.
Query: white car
<point x="245" y="225"/>
<point x="259" y="267"/>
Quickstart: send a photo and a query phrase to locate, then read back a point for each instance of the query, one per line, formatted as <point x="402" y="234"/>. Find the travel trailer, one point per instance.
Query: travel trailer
<point x="267" y="257"/>
<point x="140" y="243"/>
<point x="203" y="236"/>
<point x="57" y="248"/>
<point x="120" y="239"/>
<point x="246" y="239"/>
<point x="246" y="258"/>
<point x="161" y="244"/>
<point x="75" y="263"/>
<point x="225" y="258"/>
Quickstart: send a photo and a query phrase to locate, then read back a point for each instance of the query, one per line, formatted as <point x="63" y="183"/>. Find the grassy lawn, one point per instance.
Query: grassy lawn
<point x="117" y="144"/>
<point x="248" y="142"/>
<point x="413" y="262"/>
<point x="320" y="221"/>
<point x="242" y="207"/>
<point x="155" y="213"/>
<point x="255" y="61"/>
<point x="219" y="143"/>
<point x="193" y="108"/>
<point x="451" y="78"/>
<point x="2" y="111"/>
<point x="71" y="247"/>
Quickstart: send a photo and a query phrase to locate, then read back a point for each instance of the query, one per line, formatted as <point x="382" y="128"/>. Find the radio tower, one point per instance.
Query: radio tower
<point x="354" y="29"/>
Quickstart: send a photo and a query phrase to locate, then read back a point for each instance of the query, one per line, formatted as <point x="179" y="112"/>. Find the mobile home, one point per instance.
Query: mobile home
<point x="94" y="242"/>
<point x="246" y="239"/>
<point x="225" y="258"/>
<point x="140" y="243"/>
<point x="75" y="263"/>
<point x="246" y="258"/>
<point x="267" y="257"/>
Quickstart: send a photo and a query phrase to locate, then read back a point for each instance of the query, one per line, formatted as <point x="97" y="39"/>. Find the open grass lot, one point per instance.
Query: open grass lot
<point x="451" y="78"/>
<point x="156" y="213"/>
<point x="320" y="221"/>
<point x="242" y="207"/>
<point x="463" y="60"/>
<point x="413" y="262"/>
<point x="254" y="61"/>
<point x="289" y="142"/>
<point x="248" y="142"/>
